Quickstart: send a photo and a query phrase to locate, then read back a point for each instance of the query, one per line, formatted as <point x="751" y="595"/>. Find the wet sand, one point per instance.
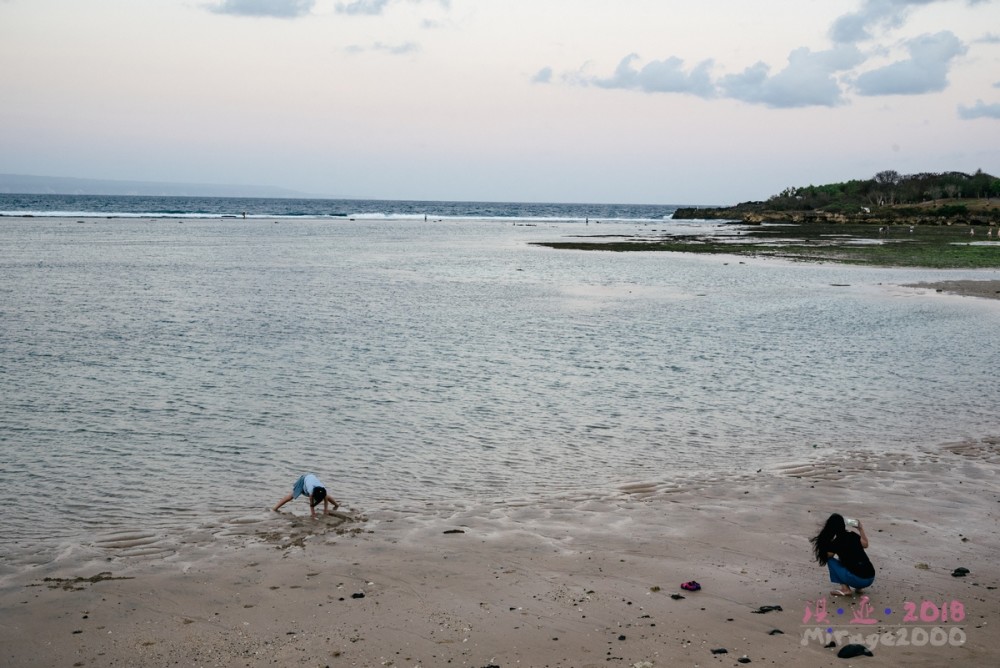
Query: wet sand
<point x="988" y="289"/>
<point x="584" y="580"/>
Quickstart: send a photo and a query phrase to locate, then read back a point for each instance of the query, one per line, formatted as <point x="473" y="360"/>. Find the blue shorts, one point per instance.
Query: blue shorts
<point x="840" y="575"/>
<point x="305" y="485"/>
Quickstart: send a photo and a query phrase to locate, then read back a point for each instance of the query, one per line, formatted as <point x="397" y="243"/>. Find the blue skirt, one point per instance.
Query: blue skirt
<point x="840" y="575"/>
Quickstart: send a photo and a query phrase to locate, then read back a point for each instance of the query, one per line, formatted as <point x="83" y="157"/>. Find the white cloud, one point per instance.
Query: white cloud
<point x="658" y="76"/>
<point x="882" y="14"/>
<point x="668" y="76"/>
<point x="374" y="7"/>
<point x="808" y="79"/>
<point x="391" y="49"/>
<point x="295" y="8"/>
<point x="811" y="78"/>
<point x="363" y="7"/>
<point x="926" y="71"/>
<point x="275" y="8"/>
<point x="543" y="76"/>
<point x="979" y="110"/>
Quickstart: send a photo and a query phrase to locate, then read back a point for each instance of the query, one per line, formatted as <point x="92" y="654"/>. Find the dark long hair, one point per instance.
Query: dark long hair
<point x="823" y="541"/>
<point x="319" y="493"/>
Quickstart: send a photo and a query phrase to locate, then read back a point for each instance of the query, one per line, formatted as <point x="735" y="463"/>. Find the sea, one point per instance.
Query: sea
<point x="169" y="367"/>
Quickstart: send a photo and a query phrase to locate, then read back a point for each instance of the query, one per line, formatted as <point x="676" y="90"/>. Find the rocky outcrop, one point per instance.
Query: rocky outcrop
<point x="753" y="215"/>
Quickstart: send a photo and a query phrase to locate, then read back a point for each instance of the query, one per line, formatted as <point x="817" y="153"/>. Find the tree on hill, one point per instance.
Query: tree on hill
<point x="886" y="188"/>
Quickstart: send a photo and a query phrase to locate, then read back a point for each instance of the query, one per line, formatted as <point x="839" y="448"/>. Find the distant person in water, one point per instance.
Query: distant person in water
<point x="843" y="553"/>
<point x="310" y="485"/>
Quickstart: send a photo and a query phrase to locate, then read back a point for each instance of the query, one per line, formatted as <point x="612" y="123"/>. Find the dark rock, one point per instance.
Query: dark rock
<point x="360" y="594"/>
<point x="853" y="650"/>
<point x="766" y="608"/>
<point x="721" y="650"/>
<point x="454" y="531"/>
<point x="775" y="632"/>
<point x="960" y="572"/>
<point x="743" y="659"/>
<point x="830" y="644"/>
<point x="676" y="597"/>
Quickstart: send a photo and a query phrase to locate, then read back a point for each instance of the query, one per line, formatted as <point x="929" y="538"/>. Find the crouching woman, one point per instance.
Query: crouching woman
<point x="843" y="552"/>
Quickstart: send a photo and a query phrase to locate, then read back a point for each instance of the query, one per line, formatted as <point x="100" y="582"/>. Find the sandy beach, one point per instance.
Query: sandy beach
<point x="583" y="580"/>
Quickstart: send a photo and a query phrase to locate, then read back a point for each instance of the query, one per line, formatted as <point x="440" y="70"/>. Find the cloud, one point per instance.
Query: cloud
<point x="808" y="79"/>
<point x="362" y="7"/>
<point x="658" y="76"/>
<point x="979" y="110"/>
<point x="275" y="8"/>
<point x="374" y="7"/>
<point x="882" y="14"/>
<point x="543" y="76"/>
<point x="926" y="71"/>
<point x="391" y="49"/>
<point x="878" y="15"/>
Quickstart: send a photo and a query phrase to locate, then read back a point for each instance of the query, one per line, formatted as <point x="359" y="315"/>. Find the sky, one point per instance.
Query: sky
<point x="630" y="101"/>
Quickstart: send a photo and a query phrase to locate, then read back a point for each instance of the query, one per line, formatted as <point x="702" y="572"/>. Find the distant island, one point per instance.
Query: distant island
<point x="24" y="184"/>
<point x="888" y="198"/>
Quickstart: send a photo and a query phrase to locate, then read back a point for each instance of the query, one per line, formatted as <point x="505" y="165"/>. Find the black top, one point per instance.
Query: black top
<point x="848" y="548"/>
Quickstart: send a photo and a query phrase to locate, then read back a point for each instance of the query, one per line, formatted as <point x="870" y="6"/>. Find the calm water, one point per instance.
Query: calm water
<point x="251" y="207"/>
<point x="161" y="373"/>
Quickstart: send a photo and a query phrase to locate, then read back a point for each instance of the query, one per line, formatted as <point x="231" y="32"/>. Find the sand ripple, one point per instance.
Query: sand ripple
<point x="134" y="543"/>
<point x="987" y="449"/>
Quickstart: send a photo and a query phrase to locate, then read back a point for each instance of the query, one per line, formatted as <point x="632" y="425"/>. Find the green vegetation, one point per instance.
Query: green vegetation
<point x="934" y="246"/>
<point x="888" y="198"/>
<point x="887" y="188"/>
<point x="922" y="220"/>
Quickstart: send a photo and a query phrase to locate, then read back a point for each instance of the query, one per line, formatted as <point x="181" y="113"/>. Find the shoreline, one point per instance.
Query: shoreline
<point x="576" y="580"/>
<point x="985" y="289"/>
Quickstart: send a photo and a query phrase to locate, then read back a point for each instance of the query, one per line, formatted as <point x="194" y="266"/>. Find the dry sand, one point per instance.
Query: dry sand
<point x="586" y="580"/>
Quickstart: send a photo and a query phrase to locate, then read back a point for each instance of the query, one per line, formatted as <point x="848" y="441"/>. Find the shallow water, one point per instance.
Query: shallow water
<point x="169" y="375"/>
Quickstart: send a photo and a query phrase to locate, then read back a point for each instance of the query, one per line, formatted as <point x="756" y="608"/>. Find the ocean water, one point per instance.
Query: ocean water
<point x="168" y="373"/>
<point x="252" y="208"/>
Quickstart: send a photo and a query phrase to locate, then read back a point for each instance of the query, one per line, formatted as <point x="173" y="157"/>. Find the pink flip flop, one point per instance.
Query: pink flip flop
<point x="691" y="586"/>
